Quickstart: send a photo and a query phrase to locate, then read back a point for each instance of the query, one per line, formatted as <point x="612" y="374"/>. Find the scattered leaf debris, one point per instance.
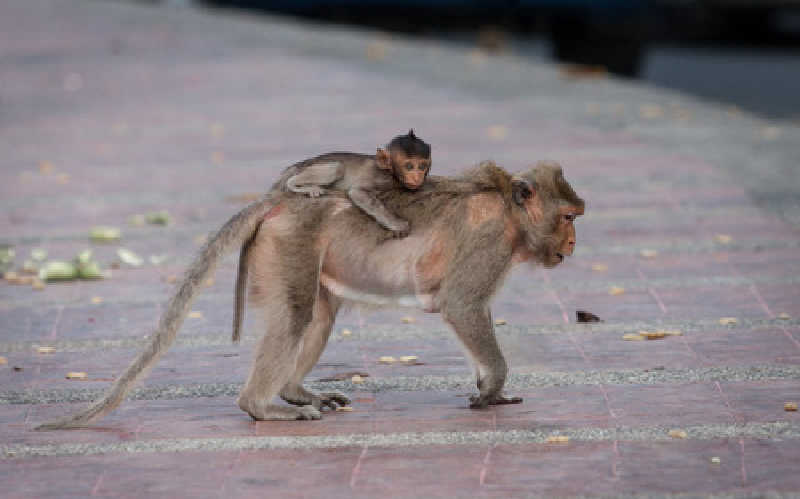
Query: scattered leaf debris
<point x="728" y="321"/>
<point x="652" y="335"/>
<point x="76" y="375"/>
<point x="648" y="253"/>
<point x="408" y="320"/>
<point x="104" y="234"/>
<point x="344" y="408"/>
<point x="616" y="290"/>
<point x="632" y="337"/>
<point x="357" y="379"/>
<point x="557" y="439"/>
<point x="57" y="270"/>
<point x="158" y="218"/>
<point x="38" y="254"/>
<point x="388" y="359"/>
<point x="46" y="350"/>
<point x="500" y="322"/>
<point x="346" y="332"/>
<point x="129" y="257"/>
<point x="343" y="376"/>
<point x="97" y="300"/>
<point x="30" y="267"/>
<point x="158" y="259"/>
<point x="790" y="406"/>
<point x="194" y="314"/>
<point x="37" y="284"/>
<point x="715" y="460"/>
<point x="723" y="238"/>
<point x="599" y="267"/>
<point x="784" y="316"/>
<point x="583" y="316"/>
<point x="171" y="279"/>
<point x="677" y="434"/>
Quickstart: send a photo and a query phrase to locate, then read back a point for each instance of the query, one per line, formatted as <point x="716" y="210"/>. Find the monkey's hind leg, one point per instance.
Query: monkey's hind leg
<point x="315" y="337"/>
<point x="311" y="179"/>
<point x="283" y="292"/>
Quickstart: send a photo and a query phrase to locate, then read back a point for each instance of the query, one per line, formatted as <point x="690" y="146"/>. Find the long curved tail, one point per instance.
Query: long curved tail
<point x="232" y="235"/>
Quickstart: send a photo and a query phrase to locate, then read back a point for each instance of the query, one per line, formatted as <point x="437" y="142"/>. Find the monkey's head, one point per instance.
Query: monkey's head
<point x="548" y="209"/>
<point x="408" y="158"/>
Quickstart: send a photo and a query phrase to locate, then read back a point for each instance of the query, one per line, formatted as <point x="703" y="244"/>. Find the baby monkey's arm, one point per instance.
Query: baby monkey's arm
<point x="312" y="178"/>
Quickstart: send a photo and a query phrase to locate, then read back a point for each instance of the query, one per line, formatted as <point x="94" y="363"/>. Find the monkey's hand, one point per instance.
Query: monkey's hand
<point x="482" y="401"/>
<point x="315" y="191"/>
<point x="330" y="400"/>
<point x="400" y="229"/>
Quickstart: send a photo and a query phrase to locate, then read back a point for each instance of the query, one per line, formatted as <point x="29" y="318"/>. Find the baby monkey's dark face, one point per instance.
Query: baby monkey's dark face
<point x="410" y="170"/>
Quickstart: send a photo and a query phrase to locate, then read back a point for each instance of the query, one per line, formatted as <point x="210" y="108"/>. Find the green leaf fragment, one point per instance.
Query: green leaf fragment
<point x="7" y="254"/>
<point x="84" y="257"/>
<point x="129" y="257"/>
<point x="38" y="254"/>
<point x="57" y="270"/>
<point x="104" y="234"/>
<point x="29" y="266"/>
<point x="90" y="270"/>
<point x="157" y="218"/>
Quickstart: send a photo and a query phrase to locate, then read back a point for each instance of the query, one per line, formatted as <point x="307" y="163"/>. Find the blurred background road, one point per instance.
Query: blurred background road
<point x="744" y="53"/>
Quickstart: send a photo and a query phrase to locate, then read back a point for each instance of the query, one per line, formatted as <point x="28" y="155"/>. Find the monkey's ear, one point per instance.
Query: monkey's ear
<point x="521" y="190"/>
<point x="383" y="159"/>
<point x="411" y="133"/>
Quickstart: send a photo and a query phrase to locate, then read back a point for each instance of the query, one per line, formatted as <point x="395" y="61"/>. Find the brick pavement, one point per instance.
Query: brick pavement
<point x="110" y="109"/>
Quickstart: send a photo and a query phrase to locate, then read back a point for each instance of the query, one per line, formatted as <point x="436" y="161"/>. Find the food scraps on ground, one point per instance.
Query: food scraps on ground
<point x="76" y="375"/>
<point x="388" y="359"/>
<point x="790" y="406"/>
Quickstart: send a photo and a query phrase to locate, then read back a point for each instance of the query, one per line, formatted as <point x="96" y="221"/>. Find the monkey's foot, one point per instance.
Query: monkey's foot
<point x="298" y="395"/>
<point x="271" y="412"/>
<point x="315" y="191"/>
<point x="483" y="401"/>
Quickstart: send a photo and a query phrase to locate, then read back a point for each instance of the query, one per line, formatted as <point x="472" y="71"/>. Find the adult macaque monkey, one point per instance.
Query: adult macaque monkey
<point x="308" y="256"/>
<point x="407" y="160"/>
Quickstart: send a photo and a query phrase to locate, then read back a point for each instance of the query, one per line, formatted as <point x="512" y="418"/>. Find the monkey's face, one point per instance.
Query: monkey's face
<point x="552" y="208"/>
<point x="564" y="234"/>
<point x="410" y="170"/>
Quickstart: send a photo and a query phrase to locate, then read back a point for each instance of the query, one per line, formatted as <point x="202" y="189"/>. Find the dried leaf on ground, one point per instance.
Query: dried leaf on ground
<point x="343" y="376"/>
<point x="648" y="253"/>
<point x="715" y="460"/>
<point x="357" y="379"/>
<point x="728" y="321"/>
<point x="409" y="359"/>
<point x="76" y="375"/>
<point x="677" y="434"/>
<point x="346" y="332"/>
<point x="723" y="238"/>
<point x="97" y="300"/>
<point x="790" y="406"/>
<point x="56" y="270"/>
<point x="557" y="439"/>
<point x="633" y="337"/>
<point x="195" y="315"/>
<point x="616" y="290"/>
<point x="652" y="335"/>
<point x="408" y="320"/>
<point x="599" y="267"/>
<point x="784" y="316"/>
<point x="344" y="408"/>
<point x="46" y="350"/>
<point x="583" y="316"/>
<point x="500" y="322"/>
<point x="388" y="359"/>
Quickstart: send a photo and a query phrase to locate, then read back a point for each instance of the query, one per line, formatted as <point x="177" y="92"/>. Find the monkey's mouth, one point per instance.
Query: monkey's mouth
<point x="560" y="257"/>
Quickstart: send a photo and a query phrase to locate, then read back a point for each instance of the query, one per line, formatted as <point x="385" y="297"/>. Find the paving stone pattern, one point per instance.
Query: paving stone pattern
<point x="112" y="109"/>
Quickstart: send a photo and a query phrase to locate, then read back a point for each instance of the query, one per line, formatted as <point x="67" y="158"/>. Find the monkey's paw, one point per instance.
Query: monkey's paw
<point x="483" y="401"/>
<point x="331" y="400"/>
<point x="308" y="412"/>
<point x="316" y="191"/>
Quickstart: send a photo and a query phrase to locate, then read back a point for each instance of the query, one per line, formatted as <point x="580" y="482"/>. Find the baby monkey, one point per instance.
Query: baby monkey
<point x="406" y="159"/>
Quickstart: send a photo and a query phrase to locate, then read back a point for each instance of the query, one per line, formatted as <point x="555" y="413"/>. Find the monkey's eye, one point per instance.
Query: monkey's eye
<point x="409" y="166"/>
<point x="569" y="217"/>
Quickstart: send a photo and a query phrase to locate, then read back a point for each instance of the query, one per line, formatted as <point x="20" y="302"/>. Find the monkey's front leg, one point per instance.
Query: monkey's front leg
<point x="377" y="210"/>
<point x="311" y="179"/>
<point x="475" y="329"/>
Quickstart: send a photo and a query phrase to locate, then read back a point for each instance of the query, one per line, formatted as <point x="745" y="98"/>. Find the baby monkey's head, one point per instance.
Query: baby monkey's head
<point x="408" y="158"/>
